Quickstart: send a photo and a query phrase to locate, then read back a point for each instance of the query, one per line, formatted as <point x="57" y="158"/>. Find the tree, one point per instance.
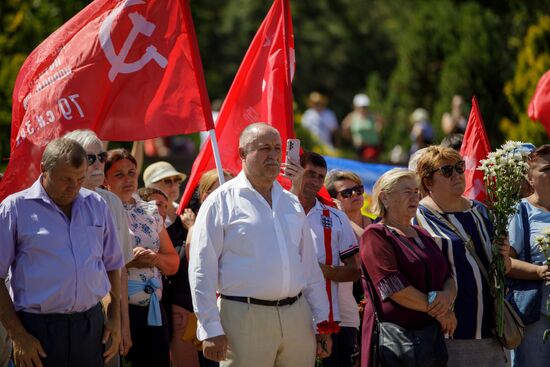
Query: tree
<point x="532" y="62"/>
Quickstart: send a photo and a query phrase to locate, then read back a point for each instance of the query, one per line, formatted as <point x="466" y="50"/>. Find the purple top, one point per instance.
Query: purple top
<point x="57" y="265"/>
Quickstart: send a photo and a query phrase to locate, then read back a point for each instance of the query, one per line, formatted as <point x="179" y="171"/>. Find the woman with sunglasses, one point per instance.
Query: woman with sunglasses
<point x="459" y="226"/>
<point x="154" y="255"/>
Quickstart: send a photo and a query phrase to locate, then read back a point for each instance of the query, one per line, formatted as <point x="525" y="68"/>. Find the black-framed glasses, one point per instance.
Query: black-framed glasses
<point x="172" y="181"/>
<point x="347" y="193"/>
<point x="101" y="157"/>
<point x="447" y="170"/>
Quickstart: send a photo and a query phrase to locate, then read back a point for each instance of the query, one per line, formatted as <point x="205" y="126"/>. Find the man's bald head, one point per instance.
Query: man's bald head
<point x="252" y="131"/>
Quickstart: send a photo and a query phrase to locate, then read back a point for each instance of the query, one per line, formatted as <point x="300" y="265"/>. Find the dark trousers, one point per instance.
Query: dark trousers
<point x="68" y="339"/>
<point x="150" y="344"/>
<point x="345" y="349"/>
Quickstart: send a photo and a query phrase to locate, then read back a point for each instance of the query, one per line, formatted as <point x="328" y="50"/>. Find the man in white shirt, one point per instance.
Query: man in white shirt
<point x="252" y="244"/>
<point x="336" y="247"/>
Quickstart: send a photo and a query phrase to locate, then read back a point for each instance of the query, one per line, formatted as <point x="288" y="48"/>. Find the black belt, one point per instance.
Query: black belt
<point x="281" y="302"/>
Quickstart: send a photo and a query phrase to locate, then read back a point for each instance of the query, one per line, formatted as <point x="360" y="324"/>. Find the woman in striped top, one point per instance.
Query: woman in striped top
<point x="456" y="222"/>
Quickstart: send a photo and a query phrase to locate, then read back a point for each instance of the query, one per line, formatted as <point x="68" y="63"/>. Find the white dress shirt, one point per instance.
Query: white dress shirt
<point x="343" y="242"/>
<point x="243" y="247"/>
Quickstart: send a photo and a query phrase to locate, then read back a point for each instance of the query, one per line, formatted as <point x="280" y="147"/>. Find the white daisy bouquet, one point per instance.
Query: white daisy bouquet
<point x="504" y="171"/>
<point x="543" y="242"/>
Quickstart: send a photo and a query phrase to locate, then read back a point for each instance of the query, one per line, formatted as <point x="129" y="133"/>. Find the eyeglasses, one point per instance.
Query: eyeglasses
<point x="101" y="157"/>
<point x="447" y="170"/>
<point x="172" y="181"/>
<point x="347" y="193"/>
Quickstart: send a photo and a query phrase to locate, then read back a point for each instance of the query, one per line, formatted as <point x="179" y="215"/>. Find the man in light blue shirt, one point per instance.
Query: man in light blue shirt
<point x="58" y="242"/>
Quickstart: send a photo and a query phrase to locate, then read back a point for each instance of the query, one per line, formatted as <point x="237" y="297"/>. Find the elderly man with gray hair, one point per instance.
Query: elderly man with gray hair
<point x="58" y="242"/>
<point x="252" y="244"/>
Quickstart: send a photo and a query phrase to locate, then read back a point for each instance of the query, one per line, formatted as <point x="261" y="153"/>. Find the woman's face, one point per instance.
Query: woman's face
<point x="539" y="175"/>
<point x="349" y="194"/>
<point x="95" y="175"/>
<point x="448" y="179"/>
<point x="170" y="186"/>
<point x="403" y="200"/>
<point x="122" y="179"/>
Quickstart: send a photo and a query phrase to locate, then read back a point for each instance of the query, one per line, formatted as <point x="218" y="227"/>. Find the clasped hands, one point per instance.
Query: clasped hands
<point x="441" y="310"/>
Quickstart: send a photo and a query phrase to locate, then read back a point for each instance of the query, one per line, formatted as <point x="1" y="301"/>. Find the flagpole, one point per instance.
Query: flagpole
<point x="217" y="159"/>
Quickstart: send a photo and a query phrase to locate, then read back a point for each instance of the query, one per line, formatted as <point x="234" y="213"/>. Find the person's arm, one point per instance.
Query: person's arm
<point x="167" y="259"/>
<point x="524" y="270"/>
<point x="126" y="336"/>
<point x="111" y="329"/>
<point x="342" y="273"/>
<point x="295" y="173"/>
<point x="188" y="242"/>
<point x="207" y="245"/>
<point x="137" y="153"/>
<point x="27" y="350"/>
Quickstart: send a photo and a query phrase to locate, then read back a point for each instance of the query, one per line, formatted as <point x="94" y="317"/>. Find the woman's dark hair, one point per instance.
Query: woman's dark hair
<point x="115" y="155"/>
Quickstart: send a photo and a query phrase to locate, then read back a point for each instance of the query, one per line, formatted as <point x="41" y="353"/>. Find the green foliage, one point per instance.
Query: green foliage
<point x="532" y="62"/>
<point x="404" y="54"/>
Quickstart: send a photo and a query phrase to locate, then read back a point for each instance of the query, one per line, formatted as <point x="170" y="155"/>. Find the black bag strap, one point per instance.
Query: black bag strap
<point x="526" y="231"/>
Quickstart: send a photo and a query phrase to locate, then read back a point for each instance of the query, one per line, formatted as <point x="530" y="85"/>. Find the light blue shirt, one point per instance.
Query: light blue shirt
<point x="539" y="220"/>
<point x="57" y="265"/>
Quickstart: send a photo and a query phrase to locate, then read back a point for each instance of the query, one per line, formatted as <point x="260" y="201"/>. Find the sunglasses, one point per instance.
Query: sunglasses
<point x="447" y="170"/>
<point x="347" y="193"/>
<point x="172" y="181"/>
<point x="101" y="157"/>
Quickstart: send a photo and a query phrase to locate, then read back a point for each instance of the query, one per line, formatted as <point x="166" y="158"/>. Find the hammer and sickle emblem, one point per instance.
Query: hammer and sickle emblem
<point x="139" y="25"/>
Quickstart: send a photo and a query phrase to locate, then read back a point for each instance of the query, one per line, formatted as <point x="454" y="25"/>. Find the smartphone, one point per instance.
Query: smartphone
<point x="293" y="150"/>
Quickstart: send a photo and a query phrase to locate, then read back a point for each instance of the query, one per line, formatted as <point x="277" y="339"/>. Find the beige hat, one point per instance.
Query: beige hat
<point x="159" y="170"/>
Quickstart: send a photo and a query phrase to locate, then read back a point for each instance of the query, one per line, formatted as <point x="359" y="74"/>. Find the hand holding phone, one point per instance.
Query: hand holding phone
<point x="293" y="150"/>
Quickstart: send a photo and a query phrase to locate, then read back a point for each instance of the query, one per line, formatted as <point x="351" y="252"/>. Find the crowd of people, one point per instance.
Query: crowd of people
<point x="96" y="271"/>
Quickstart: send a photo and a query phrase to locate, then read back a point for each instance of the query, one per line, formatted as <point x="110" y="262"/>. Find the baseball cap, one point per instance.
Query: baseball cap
<point x="361" y="100"/>
<point x="159" y="170"/>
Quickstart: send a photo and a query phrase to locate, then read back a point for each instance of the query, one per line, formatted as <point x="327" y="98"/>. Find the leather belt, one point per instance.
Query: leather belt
<point x="281" y="302"/>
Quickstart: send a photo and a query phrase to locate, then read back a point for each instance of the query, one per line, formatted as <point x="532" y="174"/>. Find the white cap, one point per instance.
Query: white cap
<point x="361" y="100"/>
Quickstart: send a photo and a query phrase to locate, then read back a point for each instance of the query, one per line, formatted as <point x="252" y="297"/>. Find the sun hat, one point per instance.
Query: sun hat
<point x="160" y="170"/>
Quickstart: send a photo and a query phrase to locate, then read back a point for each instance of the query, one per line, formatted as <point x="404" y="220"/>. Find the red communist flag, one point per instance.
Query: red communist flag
<point x="539" y="108"/>
<point x="129" y="70"/>
<point x="261" y="92"/>
<point x="475" y="147"/>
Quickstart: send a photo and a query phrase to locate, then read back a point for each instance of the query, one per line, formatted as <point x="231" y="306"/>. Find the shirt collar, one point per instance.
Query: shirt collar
<point x="243" y="183"/>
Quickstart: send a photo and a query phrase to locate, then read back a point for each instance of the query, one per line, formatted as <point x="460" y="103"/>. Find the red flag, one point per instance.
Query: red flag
<point x="539" y="107"/>
<point x="261" y="92"/>
<point x="129" y="70"/>
<point x="475" y="147"/>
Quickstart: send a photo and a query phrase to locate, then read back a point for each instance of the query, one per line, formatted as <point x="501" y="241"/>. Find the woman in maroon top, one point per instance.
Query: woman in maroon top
<point x="404" y="264"/>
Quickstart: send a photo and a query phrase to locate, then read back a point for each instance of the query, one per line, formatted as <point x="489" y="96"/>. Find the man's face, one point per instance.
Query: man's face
<point x="313" y="180"/>
<point x="95" y="175"/>
<point x="262" y="155"/>
<point x="63" y="182"/>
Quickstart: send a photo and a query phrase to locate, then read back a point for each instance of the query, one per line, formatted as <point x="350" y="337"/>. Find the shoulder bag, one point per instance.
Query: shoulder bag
<point x="395" y="346"/>
<point x="513" y="325"/>
<point x="525" y="296"/>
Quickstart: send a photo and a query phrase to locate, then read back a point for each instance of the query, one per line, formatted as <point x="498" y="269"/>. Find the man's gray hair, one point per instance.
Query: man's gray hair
<point x="84" y="137"/>
<point x="251" y="129"/>
<point x="63" y="150"/>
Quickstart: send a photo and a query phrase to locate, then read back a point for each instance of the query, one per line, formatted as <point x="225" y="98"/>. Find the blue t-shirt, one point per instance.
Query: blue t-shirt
<point x="539" y="220"/>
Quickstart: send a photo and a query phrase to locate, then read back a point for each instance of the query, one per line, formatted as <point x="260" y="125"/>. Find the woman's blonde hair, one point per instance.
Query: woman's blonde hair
<point x="208" y="180"/>
<point x="387" y="183"/>
<point x="430" y="160"/>
<point x="339" y="175"/>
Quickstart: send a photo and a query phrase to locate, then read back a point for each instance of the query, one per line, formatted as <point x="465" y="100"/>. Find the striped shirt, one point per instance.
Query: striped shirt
<point x="474" y="303"/>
